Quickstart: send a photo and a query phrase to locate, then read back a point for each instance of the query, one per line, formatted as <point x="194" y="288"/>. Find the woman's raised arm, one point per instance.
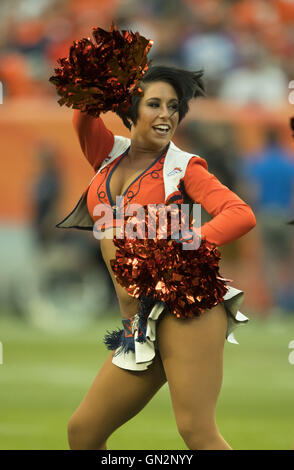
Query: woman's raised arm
<point x="95" y="139"/>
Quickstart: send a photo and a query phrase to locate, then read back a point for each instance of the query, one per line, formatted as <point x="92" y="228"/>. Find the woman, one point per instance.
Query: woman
<point x="189" y="351"/>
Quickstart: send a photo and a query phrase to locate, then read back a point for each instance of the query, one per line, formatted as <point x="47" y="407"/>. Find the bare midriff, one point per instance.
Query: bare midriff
<point x="128" y="305"/>
<point x="120" y="180"/>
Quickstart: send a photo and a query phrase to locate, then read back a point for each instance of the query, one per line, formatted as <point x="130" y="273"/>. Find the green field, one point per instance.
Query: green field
<point x="44" y="377"/>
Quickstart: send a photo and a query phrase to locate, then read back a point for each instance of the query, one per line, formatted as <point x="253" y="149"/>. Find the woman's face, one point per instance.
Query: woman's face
<point x="158" y="116"/>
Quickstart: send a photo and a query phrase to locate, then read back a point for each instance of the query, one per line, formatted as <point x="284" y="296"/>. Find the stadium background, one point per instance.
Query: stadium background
<point x="56" y="299"/>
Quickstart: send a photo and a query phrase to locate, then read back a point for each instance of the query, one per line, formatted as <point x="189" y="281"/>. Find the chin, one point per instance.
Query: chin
<point x="161" y="144"/>
<point x="161" y="141"/>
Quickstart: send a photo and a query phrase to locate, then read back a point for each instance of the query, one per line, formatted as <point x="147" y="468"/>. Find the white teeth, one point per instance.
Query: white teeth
<point x="162" y="128"/>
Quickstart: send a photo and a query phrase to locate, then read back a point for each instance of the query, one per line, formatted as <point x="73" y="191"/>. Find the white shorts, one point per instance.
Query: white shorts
<point x="145" y="351"/>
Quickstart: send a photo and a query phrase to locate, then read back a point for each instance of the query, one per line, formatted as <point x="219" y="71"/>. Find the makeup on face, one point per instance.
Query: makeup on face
<point x="158" y="113"/>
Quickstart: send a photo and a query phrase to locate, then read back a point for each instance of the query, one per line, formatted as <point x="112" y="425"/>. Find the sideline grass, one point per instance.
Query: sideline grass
<point x="44" y="377"/>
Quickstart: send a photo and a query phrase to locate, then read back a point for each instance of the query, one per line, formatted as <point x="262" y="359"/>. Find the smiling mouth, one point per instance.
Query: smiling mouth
<point x="161" y="131"/>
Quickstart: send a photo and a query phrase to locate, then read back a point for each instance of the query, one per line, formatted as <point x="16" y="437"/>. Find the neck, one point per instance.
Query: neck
<point x="138" y="152"/>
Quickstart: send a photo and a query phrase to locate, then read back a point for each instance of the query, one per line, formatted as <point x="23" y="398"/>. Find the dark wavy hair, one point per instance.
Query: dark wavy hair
<point x="187" y="85"/>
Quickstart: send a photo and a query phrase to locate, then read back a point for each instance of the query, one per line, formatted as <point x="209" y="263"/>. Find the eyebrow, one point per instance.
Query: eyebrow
<point x="159" y="99"/>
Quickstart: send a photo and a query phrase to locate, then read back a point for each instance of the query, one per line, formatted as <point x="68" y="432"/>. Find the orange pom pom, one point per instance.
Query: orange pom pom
<point x="102" y="76"/>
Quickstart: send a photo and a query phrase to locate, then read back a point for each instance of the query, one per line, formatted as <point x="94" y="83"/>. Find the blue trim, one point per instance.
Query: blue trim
<point x="175" y="198"/>
<point x="109" y="176"/>
<point x="124" y="339"/>
<point x="76" y="226"/>
<point x="144" y="171"/>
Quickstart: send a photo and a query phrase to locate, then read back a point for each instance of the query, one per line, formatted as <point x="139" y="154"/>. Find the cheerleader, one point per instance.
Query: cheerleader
<point x="177" y="311"/>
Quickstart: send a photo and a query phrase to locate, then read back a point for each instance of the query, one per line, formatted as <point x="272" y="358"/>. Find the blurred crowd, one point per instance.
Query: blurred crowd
<point x="244" y="46"/>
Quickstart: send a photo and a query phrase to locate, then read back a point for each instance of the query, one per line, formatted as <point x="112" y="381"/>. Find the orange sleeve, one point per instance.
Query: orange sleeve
<point x="232" y="217"/>
<point x="95" y="139"/>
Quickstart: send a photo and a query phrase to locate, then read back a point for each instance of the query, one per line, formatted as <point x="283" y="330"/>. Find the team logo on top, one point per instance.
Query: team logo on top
<point x="175" y="171"/>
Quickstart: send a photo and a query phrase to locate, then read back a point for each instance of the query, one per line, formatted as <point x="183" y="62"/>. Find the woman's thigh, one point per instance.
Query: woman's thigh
<point x="192" y="354"/>
<point x="115" y="396"/>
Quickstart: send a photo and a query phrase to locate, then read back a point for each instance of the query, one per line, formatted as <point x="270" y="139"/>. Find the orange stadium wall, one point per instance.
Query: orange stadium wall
<point x="24" y="124"/>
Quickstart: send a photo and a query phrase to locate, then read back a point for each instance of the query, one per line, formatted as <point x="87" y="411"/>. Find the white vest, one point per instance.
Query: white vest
<point x="174" y="168"/>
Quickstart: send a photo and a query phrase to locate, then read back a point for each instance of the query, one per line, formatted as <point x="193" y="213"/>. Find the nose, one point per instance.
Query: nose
<point x="164" y="112"/>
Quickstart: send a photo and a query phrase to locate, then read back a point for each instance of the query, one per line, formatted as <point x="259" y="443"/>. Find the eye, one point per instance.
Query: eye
<point x="172" y="106"/>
